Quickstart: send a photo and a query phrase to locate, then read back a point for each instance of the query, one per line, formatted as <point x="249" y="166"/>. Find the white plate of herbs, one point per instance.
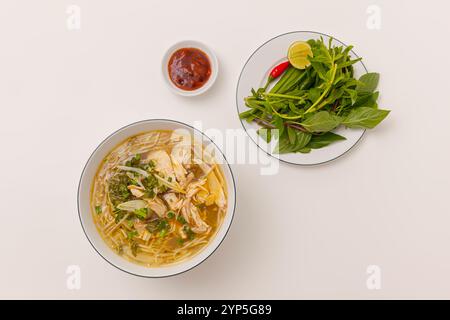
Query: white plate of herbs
<point x="307" y="98"/>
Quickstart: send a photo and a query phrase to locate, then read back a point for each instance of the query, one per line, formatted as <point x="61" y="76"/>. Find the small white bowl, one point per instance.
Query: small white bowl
<point x="84" y="193"/>
<point x="190" y="44"/>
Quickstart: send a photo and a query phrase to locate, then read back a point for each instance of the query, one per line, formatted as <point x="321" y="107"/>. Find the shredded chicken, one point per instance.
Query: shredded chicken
<point x="181" y="152"/>
<point x="173" y="201"/>
<point x="200" y="225"/>
<point x="201" y="196"/>
<point x="163" y="165"/>
<point x="194" y="187"/>
<point x="157" y="206"/>
<point x="190" y="212"/>
<point x="180" y="171"/>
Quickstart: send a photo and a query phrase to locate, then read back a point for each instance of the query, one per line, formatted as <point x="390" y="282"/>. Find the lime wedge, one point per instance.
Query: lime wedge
<point x="298" y="53"/>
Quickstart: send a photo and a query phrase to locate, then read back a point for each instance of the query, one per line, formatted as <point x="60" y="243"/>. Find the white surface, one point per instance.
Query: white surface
<point x="255" y="73"/>
<point x="86" y="185"/>
<point x="304" y="233"/>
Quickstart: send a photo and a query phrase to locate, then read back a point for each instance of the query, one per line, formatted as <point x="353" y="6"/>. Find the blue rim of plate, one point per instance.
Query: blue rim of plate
<point x="237" y="99"/>
<point x="84" y="169"/>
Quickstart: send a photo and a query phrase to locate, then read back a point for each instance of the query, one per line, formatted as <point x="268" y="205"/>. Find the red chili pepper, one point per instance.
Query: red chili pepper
<point x="277" y="71"/>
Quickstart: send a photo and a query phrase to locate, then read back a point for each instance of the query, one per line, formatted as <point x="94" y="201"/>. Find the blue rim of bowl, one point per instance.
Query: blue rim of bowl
<point x="237" y="101"/>
<point x="89" y="159"/>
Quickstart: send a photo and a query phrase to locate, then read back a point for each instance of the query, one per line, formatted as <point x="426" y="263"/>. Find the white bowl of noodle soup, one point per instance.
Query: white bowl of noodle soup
<point x="88" y="194"/>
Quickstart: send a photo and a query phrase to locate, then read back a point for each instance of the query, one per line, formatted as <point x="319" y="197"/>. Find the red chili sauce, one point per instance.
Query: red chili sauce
<point x="189" y="68"/>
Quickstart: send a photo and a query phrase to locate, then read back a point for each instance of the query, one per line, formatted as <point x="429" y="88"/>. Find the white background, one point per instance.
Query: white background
<point x="303" y="233"/>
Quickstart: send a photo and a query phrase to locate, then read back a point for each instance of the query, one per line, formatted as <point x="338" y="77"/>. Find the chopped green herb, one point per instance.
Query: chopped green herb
<point x="181" y="219"/>
<point x="152" y="226"/>
<point x="189" y="232"/>
<point x="163" y="224"/>
<point x="170" y="214"/>
<point x="118" y="189"/>
<point x="134" y="248"/>
<point x="119" y="215"/>
<point x="162" y="233"/>
<point x="134" y="162"/>
<point x="132" y="234"/>
<point x="158" y="226"/>
<point x="150" y="183"/>
<point x="141" y="213"/>
<point x="98" y="209"/>
<point x="162" y="188"/>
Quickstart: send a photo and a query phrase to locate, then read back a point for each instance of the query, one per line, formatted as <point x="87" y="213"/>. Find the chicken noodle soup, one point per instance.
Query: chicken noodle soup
<point x="158" y="198"/>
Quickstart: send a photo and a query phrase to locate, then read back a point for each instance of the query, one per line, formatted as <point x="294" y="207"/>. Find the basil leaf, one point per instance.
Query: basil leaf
<point x="324" y="140"/>
<point x="321" y="121"/>
<point x="314" y="94"/>
<point x="365" y="117"/>
<point x="367" y="100"/>
<point x="285" y="146"/>
<point x="266" y="134"/>
<point x="349" y="63"/>
<point x="353" y="95"/>
<point x="302" y="140"/>
<point x="369" y="82"/>
<point x="291" y="135"/>
<point x="305" y="150"/>
<point x="279" y="124"/>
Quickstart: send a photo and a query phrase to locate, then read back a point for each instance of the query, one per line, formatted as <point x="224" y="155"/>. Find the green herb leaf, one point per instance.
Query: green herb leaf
<point x="300" y="140"/>
<point x="141" y="213"/>
<point x="134" y="162"/>
<point x="305" y="150"/>
<point x="291" y="135"/>
<point x="119" y="215"/>
<point x="321" y="121"/>
<point x="353" y="95"/>
<point x="279" y="124"/>
<point x="369" y="82"/>
<point x="314" y="94"/>
<point x="266" y="134"/>
<point x="181" y="219"/>
<point x="162" y="233"/>
<point x="323" y="140"/>
<point x="98" y="209"/>
<point x="132" y="234"/>
<point x="170" y="214"/>
<point x="365" y="117"/>
<point x="367" y="100"/>
<point x="134" y="248"/>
